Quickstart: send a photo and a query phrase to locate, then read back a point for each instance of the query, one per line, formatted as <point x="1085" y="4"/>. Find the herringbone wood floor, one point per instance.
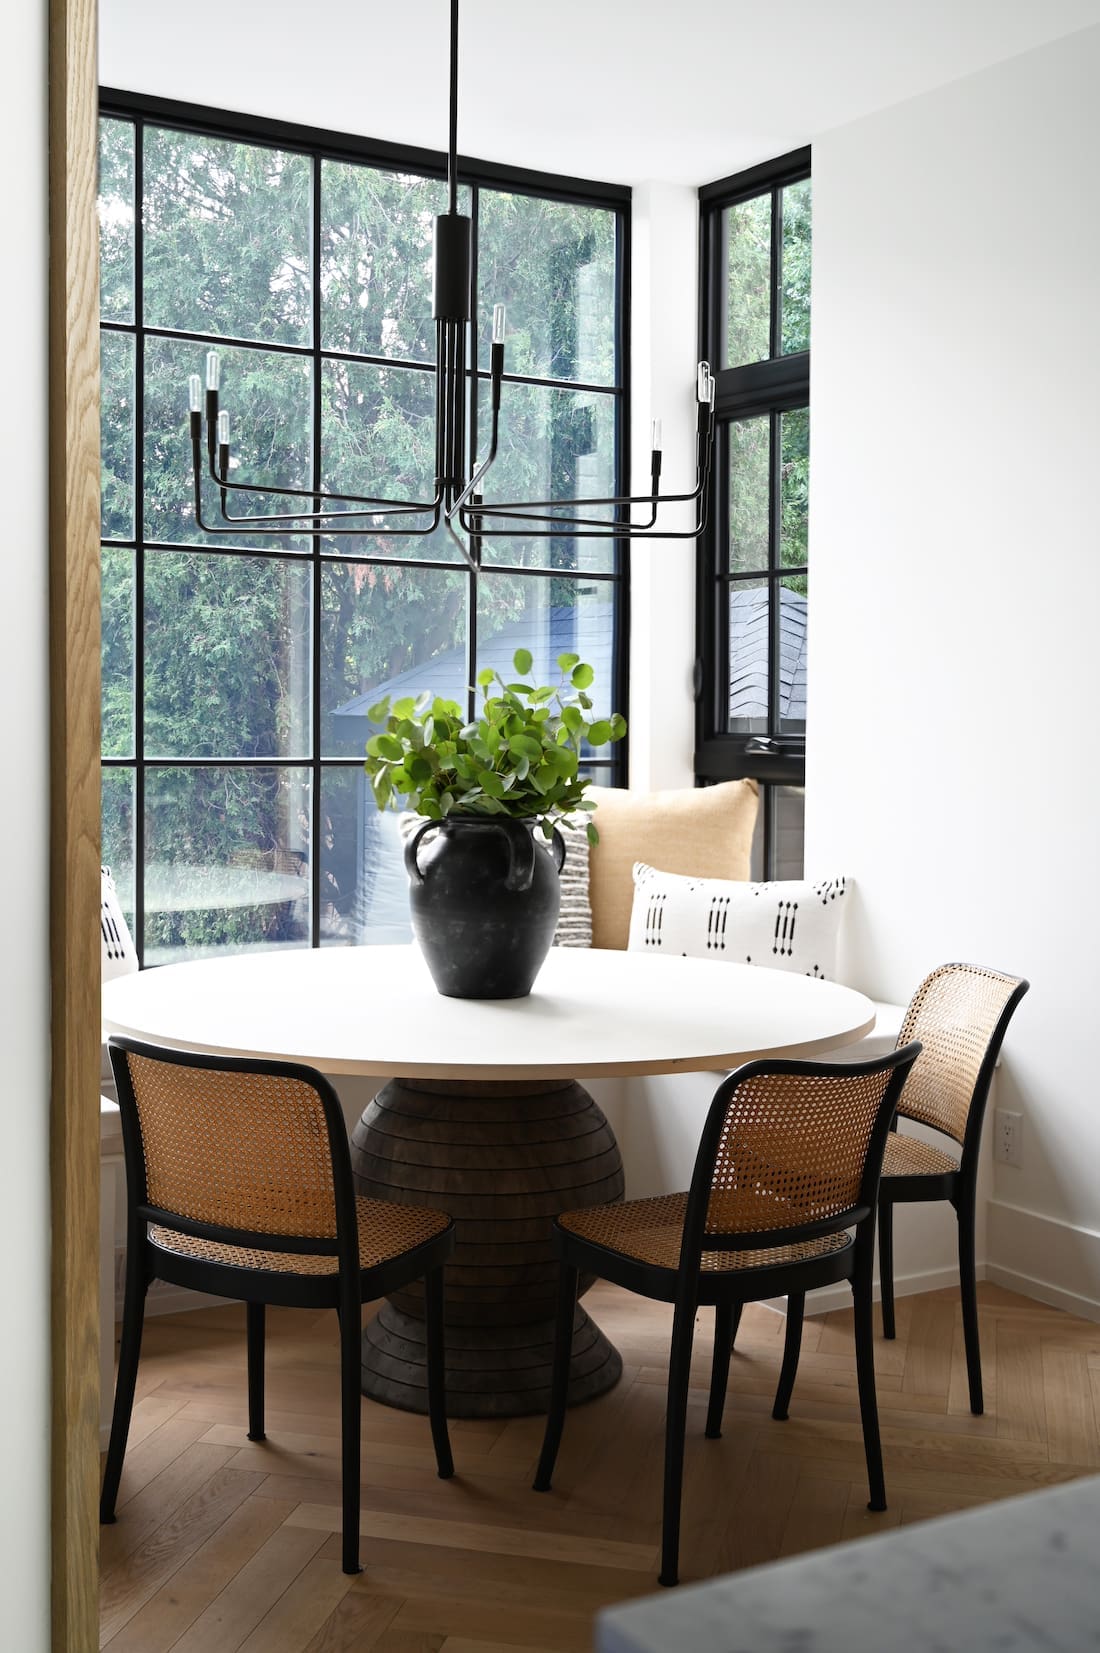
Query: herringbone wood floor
<point x="221" y="1545"/>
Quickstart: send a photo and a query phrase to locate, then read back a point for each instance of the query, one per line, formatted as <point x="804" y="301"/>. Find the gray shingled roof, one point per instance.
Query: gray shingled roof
<point x="749" y="653"/>
<point x="587" y="631"/>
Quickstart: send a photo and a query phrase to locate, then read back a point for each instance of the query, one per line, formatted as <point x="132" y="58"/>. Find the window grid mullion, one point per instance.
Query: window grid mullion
<point x="316" y="835"/>
<point x="138" y="794"/>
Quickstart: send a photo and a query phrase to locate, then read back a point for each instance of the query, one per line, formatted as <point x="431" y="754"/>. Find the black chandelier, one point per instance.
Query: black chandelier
<point x="458" y="501"/>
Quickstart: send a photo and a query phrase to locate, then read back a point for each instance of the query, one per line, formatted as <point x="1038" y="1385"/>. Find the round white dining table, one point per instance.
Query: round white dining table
<point x="483" y="1115"/>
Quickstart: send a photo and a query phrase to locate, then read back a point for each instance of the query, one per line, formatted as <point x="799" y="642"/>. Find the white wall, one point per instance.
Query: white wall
<point x="956" y="587"/>
<point x="664" y="349"/>
<point x="24" y="989"/>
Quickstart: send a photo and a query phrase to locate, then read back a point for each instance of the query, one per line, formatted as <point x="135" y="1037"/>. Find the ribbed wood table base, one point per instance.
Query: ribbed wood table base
<point x="503" y="1160"/>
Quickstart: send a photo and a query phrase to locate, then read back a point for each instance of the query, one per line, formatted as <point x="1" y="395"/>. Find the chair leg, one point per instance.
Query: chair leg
<point x="133" y="1319"/>
<point x="865" y="1372"/>
<point x="351" y="1400"/>
<point x="886" y="1265"/>
<point x="968" y="1286"/>
<point x="255" y="1336"/>
<point x="679" y="1370"/>
<point x="792" y="1348"/>
<point x="725" y="1330"/>
<point x="559" y="1381"/>
<point x="437" y="1392"/>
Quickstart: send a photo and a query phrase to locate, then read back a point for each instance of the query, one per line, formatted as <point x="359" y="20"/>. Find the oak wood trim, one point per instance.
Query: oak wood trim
<point x="74" y="819"/>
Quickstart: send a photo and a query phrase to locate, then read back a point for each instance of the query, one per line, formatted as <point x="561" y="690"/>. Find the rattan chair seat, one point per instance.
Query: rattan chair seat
<point x="908" y="1156"/>
<point x="652" y="1231"/>
<point x="386" y="1230"/>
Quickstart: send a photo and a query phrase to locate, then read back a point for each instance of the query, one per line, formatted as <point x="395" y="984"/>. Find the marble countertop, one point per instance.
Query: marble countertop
<point x="1022" y="1574"/>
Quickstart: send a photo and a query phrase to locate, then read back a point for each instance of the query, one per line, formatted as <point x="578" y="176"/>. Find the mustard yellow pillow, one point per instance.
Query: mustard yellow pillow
<point x="705" y="831"/>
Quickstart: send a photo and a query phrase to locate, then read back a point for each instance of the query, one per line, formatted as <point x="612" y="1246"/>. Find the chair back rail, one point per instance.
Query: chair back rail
<point x="960" y="1013"/>
<point x="249" y="1153"/>
<point x="791" y="1151"/>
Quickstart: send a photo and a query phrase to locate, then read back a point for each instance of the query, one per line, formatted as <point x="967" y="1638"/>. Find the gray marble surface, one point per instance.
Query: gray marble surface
<point x="1023" y="1574"/>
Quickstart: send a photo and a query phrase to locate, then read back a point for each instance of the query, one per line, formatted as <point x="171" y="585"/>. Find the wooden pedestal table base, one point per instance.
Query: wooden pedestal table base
<point x="503" y="1160"/>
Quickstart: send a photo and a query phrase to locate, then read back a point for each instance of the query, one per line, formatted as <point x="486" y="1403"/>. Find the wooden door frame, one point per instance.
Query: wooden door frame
<point x="74" y="821"/>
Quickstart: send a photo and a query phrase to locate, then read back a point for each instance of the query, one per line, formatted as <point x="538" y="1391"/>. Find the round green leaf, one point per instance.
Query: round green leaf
<point x="522" y="661"/>
<point x="582" y="676"/>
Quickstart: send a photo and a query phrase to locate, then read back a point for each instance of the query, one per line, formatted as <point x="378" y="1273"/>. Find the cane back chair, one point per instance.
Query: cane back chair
<point x="239" y="1183"/>
<point x="960" y="1013"/>
<point x="789" y="1159"/>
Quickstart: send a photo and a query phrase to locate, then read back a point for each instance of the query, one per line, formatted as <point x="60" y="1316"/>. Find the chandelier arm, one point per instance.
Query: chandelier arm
<point x="474" y="563"/>
<point x="398" y="506"/>
<point x="297" y="524"/>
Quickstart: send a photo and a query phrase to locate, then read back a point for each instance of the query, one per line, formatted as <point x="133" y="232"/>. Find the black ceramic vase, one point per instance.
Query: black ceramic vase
<point x="484" y="899"/>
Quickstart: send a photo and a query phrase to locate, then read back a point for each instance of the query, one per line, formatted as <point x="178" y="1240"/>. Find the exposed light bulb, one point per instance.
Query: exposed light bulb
<point x="213" y="370"/>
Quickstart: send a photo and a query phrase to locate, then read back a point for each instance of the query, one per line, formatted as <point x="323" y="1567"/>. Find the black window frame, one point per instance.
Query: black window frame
<point x="777" y="385"/>
<point x="324" y="145"/>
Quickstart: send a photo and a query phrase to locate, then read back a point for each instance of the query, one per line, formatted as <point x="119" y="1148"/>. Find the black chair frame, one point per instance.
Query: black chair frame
<point x="345" y="1290"/>
<point x="688" y="1288"/>
<point x="959" y="1188"/>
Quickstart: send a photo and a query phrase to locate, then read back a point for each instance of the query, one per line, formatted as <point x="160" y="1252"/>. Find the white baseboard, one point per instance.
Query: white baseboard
<point x="905" y="1285"/>
<point x="1045" y="1257"/>
<point x="165" y="1299"/>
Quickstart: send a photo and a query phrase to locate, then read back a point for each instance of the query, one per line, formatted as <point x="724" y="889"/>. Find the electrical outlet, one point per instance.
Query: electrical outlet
<point x="1008" y="1148"/>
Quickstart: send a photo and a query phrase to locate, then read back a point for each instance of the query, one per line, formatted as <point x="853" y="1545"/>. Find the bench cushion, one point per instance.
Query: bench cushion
<point x="703" y="830"/>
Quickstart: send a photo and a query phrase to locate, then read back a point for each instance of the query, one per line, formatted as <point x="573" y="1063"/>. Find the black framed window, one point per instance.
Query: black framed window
<point x="753" y="578"/>
<point x="236" y="678"/>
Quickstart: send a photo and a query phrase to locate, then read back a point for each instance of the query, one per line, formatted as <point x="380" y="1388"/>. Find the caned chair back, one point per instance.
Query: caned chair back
<point x="227" y="1144"/>
<point x="792" y="1150"/>
<point x="960" y="1014"/>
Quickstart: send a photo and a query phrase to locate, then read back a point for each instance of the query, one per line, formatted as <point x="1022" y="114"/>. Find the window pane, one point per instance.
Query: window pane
<point x="794" y="488"/>
<point x="748" y="657"/>
<point x="792" y="655"/>
<point x="795" y="296"/>
<point x="226" y="238"/>
<point x="750" y="495"/>
<point x="364" y="885"/>
<point x="227" y="656"/>
<point x="268" y="398"/>
<point x="376" y="260"/>
<point x="748" y="307"/>
<point x="549" y="617"/>
<point x="116" y="440"/>
<point x="553" y="444"/>
<point x="226" y="861"/>
<point x="117" y="652"/>
<point x="116" y="220"/>
<point x="378" y="439"/>
<point x="553" y="265"/>
<point x="117" y="850"/>
<point x="387" y="630"/>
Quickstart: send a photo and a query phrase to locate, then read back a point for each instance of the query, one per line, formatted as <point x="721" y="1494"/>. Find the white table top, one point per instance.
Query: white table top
<point x="175" y="887"/>
<point x="375" y="1011"/>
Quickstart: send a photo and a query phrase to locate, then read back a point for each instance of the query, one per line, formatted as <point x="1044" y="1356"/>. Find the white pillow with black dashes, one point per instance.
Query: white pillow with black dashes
<point x="792" y="924"/>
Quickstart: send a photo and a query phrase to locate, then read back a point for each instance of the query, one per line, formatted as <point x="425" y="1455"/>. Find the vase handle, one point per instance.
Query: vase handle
<point x="521" y="855"/>
<point x="559" y="848"/>
<point x="411" y="846"/>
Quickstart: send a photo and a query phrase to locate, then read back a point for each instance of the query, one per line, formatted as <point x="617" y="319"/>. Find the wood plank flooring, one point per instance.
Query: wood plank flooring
<point x="222" y="1546"/>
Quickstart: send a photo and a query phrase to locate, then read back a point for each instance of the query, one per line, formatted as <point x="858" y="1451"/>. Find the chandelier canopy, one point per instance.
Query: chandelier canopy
<point x="458" y="501"/>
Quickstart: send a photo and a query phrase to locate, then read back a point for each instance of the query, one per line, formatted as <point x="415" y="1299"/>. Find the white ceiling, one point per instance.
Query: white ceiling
<point x="621" y="90"/>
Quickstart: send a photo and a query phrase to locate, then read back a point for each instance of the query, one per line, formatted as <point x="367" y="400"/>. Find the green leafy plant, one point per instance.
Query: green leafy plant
<point x="520" y="757"/>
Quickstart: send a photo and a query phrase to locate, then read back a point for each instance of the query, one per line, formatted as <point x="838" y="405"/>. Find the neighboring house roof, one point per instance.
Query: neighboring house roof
<point x="748" y="657"/>
<point x="587" y="630"/>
